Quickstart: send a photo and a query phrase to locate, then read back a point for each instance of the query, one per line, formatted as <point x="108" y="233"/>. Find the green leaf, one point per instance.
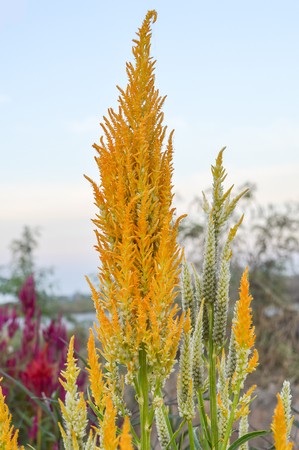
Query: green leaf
<point x="247" y="437"/>
<point x="196" y="441"/>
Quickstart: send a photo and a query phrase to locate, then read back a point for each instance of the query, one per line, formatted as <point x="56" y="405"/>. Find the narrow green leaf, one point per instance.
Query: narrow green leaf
<point x="247" y="437"/>
<point x="196" y="441"/>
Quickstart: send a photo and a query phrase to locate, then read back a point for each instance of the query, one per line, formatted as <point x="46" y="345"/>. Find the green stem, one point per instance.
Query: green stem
<point x="191" y="436"/>
<point x="203" y="419"/>
<point x="134" y="436"/>
<point x="175" y="434"/>
<point x="212" y="381"/>
<point x="231" y="418"/>
<point x="145" y="425"/>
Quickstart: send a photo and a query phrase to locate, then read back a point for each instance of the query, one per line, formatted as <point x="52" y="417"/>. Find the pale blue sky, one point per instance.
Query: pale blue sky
<point x="230" y="71"/>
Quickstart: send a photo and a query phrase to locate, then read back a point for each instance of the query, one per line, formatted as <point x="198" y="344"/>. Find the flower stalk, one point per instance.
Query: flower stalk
<point x="145" y="425"/>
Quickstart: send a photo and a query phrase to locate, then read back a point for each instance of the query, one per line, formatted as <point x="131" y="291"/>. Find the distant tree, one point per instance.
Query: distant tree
<point x="23" y="264"/>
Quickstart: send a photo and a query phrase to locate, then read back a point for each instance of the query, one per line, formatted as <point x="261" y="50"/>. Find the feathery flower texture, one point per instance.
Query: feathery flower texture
<point x="136" y="232"/>
<point x="8" y="436"/>
<point x="279" y="427"/>
<point x="282" y="419"/>
<point x="74" y="410"/>
<point x="244" y="334"/>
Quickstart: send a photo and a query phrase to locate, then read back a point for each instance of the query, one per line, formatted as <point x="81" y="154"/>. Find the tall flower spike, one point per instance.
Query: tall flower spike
<point x="286" y="398"/>
<point x="185" y="381"/>
<point x="243" y="328"/>
<point x="222" y="205"/>
<point x="8" y="436"/>
<point x="244" y="334"/>
<point x="209" y="264"/>
<point x="162" y="430"/>
<point x="279" y="427"/>
<point x="109" y="439"/>
<point x="96" y="381"/>
<point x="198" y="290"/>
<point x="197" y="352"/>
<point x="222" y="296"/>
<point x="135" y="227"/>
<point x="243" y="429"/>
<point x="74" y="410"/>
<point x="209" y="274"/>
<point x="188" y="298"/>
<point x="125" y="442"/>
<point x="224" y="402"/>
<point x="219" y="176"/>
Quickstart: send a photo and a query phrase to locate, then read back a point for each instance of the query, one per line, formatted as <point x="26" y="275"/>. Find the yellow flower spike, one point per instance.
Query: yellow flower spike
<point x="72" y="370"/>
<point x="280" y="428"/>
<point x="243" y="335"/>
<point x="95" y="373"/>
<point x="8" y="435"/>
<point x="74" y="411"/>
<point x="136" y="231"/>
<point x="243" y="328"/>
<point x="109" y="439"/>
<point x="125" y="442"/>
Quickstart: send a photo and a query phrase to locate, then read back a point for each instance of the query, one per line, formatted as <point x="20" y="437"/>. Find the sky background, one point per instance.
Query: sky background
<point x="230" y="71"/>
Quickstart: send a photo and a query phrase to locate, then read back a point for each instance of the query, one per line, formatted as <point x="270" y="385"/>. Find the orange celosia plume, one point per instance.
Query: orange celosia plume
<point x="8" y="435"/>
<point x="96" y="381"/>
<point x="136" y="232"/>
<point x="109" y="437"/>
<point x="243" y="328"/>
<point x="125" y="442"/>
<point x="280" y="428"/>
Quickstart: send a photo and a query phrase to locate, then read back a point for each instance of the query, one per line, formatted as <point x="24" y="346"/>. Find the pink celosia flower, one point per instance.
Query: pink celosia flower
<point x="39" y="374"/>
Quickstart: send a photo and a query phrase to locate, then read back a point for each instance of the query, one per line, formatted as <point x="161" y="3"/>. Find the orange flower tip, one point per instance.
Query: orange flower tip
<point x="152" y="15"/>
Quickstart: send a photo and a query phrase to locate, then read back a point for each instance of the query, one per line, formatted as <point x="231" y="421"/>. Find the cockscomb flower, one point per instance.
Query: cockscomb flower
<point x="162" y="429"/>
<point x="222" y="293"/>
<point x="109" y="438"/>
<point x="280" y="427"/>
<point x="74" y="409"/>
<point x="125" y="442"/>
<point x="135" y="226"/>
<point x="185" y="380"/>
<point x="223" y="400"/>
<point x="39" y="373"/>
<point x="96" y="382"/>
<point x="8" y="436"/>
<point x="198" y="352"/>
<point x="244" y="334"/>
<point x="286" y="398"/>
